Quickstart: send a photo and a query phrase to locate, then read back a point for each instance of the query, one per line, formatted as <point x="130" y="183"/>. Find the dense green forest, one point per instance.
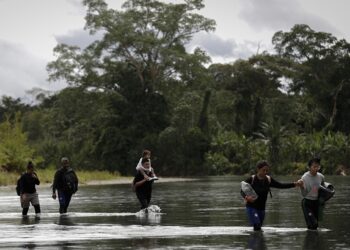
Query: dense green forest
<point x="137" y="87"/>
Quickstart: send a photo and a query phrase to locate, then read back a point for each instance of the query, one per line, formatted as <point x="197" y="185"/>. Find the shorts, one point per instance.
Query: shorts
<point x="27" y="198"/>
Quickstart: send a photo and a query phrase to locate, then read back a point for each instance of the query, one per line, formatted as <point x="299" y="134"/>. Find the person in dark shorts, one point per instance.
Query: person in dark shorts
<point x="143" y="184"/>
<point x="261" y="183"/>
<point x="27" y="190"/>
<point x="66" y="184"/>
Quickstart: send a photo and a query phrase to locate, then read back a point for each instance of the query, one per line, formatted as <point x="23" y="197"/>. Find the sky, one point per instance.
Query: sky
<point x="30" y="29"/>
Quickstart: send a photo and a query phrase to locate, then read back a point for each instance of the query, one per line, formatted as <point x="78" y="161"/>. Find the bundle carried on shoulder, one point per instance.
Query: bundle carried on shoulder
<point x="247" y="190"/>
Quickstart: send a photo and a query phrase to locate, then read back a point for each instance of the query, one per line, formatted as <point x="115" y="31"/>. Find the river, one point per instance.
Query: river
<point x="204" y="214"/>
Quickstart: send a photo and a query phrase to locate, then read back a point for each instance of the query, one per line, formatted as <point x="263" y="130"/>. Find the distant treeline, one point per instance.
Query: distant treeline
<point x="138" y="88"/>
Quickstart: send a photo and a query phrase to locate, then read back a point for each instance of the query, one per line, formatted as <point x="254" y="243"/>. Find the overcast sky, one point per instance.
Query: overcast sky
<point x="30" y="29"/>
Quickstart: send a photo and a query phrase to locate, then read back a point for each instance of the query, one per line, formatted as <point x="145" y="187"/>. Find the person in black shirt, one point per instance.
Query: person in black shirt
<point x="261" y="184"/>
<point x="28" y="192"/>
<point x="66" y="184"/>
<point x="143" y="185"/>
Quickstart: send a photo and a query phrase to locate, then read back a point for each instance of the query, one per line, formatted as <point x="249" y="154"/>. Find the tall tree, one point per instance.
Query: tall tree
<point x="149" y="36"/>
<point x="141" y="57"/>
<point x="10" y="106"/>
<point x="321" y="64"/>
<point x="249" y="87"/>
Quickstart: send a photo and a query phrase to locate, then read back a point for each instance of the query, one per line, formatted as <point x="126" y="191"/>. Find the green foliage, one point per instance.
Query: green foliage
<point x="237" y="153"/>
<point x="319" y="72"/>
<point x="14" y="149"/>
<point x="137" y="87"/>
<point x="149" y="36"/>
<point x="272" y="135"/>
<point x="332" y="148"/>
<point x="218" y="164"/>
<point x="251" y="87"/>
<point x="46" y="176"/>
<point x="10" y="106"/>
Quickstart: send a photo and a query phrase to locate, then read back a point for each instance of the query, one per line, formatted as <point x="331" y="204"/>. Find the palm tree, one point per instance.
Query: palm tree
<point x="272" y="134"/>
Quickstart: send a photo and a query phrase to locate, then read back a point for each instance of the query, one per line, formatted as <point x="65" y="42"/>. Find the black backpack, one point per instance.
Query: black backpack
<point x="70" y="181"/>
<point x="18" y="187"/>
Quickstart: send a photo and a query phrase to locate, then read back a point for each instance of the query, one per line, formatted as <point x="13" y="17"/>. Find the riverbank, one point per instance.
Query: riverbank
<point x="128" y="180"/>
<point x="46" y="176"/>
<point x="90" y="178"/>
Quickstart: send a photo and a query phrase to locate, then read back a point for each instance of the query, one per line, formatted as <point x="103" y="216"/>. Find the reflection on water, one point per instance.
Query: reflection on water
<point x="256" y="241"/>
<point x="65" y="220"/>
<point x="202" y="214"/>
<point x="26" y="220"/>
<point x="313" y="240"/>
<point x="29" y="246"/>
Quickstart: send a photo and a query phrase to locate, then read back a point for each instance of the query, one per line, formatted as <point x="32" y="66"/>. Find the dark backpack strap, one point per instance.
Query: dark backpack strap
<point x="268" y="179"/>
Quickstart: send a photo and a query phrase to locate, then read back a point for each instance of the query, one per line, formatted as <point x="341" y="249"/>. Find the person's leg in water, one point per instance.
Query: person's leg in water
<point x="25" y="211"/>
<point x="142" y="199"/>
<point x="37" y="209"/>
<point x="68" y="199"/>
<point x="310" y="210"/>
<point x="24" y="204"/>
<point x="148" y="199"/>
<point x="256" y="217"/>
<point x="64" y="200"/>
<point x="36" y="204"/>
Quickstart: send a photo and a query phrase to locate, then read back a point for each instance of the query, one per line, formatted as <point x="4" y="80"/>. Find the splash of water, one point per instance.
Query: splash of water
<point x="152" y="209"/>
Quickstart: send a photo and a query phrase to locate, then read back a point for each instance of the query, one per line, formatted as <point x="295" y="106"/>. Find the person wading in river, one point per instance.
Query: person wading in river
<point x="143" y="184"/>
<point x="261" y="184"/>
<point x="27" y="191"/>
<point x="312" y="180"/>
<point x="66" y="184"/>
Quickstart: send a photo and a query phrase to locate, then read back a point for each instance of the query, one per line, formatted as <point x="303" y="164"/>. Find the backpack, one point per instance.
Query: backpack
<point x="70" y="181"/>
<point x="18" y="186"/>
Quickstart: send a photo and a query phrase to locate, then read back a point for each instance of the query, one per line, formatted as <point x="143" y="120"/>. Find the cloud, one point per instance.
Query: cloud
<point x="225" y="49"/>
<point x="281" y="14"/>
<point x="79" y="37"/>
<point x="21" y="71"/>
<point x="213" y="44"/>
